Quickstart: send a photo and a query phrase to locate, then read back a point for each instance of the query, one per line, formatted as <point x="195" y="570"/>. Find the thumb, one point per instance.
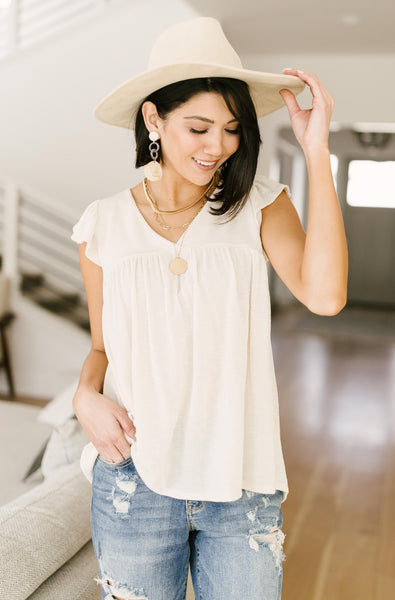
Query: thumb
<point x="290" y="101"/>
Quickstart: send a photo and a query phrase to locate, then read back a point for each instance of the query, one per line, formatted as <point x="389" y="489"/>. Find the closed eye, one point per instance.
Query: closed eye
<point x="200" y="131"/>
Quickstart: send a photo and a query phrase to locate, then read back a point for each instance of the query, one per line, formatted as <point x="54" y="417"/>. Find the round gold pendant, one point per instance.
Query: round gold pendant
<point x="178" y="266"/>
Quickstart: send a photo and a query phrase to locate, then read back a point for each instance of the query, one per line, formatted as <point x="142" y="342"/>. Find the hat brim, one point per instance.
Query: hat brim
<point x="120" y="106"/>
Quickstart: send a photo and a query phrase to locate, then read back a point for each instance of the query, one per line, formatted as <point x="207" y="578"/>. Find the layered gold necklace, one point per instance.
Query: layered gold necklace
<point x="151" y="200"/>
<point x="178" y="265"/>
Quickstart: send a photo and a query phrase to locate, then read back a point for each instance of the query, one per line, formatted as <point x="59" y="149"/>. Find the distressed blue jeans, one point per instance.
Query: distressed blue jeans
<point x="145" y="541"/>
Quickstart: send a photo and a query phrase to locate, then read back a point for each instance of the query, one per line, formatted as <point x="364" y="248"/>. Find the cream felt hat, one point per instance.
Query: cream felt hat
<point x="187" y="50"/>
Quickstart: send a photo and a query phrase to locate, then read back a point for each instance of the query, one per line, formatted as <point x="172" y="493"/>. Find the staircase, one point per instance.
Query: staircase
<point x="71" y="306"/>
<point x="38" y="253"/>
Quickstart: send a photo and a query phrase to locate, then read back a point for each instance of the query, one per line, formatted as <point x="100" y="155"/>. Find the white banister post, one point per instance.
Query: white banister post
<point x="10" y="240"/>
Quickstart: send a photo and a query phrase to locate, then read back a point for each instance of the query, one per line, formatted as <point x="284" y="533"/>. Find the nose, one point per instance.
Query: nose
<point x="214" y="145"/>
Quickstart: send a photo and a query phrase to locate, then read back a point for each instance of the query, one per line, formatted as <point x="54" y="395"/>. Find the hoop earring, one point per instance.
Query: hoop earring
<point x="153" y="170"/>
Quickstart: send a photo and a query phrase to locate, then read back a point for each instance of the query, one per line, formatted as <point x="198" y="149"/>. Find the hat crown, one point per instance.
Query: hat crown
<point x="191" y="50"/>
<point x="200" y="40"/>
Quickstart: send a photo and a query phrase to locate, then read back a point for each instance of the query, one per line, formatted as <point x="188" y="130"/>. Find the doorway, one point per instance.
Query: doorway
<point x="363" y="166"/>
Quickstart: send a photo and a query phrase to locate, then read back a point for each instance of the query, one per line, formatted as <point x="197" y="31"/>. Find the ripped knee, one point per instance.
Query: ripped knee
<point x="274" y="539"/>
<point x="120" y="592"/>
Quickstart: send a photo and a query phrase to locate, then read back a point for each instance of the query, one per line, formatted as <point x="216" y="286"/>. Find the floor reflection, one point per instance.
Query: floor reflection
<point x="336" y="380"/>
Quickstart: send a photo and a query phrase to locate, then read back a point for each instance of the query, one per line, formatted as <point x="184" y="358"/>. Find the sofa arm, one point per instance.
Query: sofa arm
<point x="42" y="529"/>
<point x="76" y="580"/>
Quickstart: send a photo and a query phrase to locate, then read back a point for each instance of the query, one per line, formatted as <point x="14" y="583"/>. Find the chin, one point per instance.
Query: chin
<point x="203" y="179"/>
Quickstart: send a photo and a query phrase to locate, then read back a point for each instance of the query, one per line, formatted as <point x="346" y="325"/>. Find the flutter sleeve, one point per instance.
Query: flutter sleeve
<point x="263" y="193"/>
<point x="86" y="230"/>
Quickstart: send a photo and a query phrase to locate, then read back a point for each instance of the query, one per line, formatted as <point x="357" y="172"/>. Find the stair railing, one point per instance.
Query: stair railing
<point x="37" y="251"/>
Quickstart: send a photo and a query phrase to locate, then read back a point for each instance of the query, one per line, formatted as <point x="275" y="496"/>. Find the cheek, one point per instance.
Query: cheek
<point x="191" y="144"/>
<point x="233" y="145"/>
<point x="183" y="145"/>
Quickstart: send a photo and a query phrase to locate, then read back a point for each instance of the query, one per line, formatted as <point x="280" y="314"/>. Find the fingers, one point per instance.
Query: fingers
<point x="318" y="90"/>
<point x="116" y="449"/>
<point x="122" y="438"/>
<point x="126" y="423"/>
<point x="290" y="101"/>
<point x="122" y="446"/>
<point x="116" y="444"/>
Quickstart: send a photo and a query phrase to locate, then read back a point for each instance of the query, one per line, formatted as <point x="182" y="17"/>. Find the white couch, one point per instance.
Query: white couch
<point x="45" y="540"/>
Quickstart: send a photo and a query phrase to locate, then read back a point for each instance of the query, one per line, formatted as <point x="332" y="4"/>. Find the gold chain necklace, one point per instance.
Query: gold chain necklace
<point x="158" y="212"/>
<point x="154" y="205"/>
<point x="178" y="265"/>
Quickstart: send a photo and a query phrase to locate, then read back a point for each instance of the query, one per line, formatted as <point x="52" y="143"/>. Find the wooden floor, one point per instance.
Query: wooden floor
<point x="337" y="405"/>
<point x="34" y="401"/>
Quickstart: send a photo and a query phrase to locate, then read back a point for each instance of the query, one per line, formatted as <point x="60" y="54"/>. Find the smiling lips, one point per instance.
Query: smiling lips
<point x="205" y="165"/>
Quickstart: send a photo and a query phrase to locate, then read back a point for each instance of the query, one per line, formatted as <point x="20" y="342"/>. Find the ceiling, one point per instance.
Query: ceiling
<point x="305" y="26"/>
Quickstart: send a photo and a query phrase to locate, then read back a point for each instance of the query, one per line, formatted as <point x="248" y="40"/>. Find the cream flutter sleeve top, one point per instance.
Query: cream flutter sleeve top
<point x="190" y="355"/>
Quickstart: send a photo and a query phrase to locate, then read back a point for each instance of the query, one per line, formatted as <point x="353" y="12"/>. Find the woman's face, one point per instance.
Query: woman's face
<point x="198" y="137"/>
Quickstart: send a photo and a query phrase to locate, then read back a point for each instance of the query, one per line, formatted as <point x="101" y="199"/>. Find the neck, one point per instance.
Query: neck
<point x="172" y="193"/>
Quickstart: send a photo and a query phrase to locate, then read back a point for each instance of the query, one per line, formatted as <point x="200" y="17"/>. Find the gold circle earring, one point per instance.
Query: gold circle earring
<point x="153" y="170"/>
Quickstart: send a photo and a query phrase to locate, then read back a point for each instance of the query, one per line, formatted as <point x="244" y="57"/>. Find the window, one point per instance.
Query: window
<point x="26" y="22"/>
<point x="371" y="183"/>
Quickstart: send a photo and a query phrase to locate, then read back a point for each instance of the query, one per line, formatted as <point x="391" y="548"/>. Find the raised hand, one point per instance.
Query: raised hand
<point x="311" y="126"/>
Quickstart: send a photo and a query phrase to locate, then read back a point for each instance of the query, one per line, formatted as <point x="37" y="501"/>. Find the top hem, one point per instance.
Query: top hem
<point x="90" y="454"/>
<point x="191" y="495"/>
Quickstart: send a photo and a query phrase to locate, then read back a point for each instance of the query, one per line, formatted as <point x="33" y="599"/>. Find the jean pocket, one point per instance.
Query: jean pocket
<point x="115" y="465"/>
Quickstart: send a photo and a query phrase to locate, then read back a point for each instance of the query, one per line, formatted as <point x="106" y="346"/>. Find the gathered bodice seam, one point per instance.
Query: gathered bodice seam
<point x="132" y="255"/>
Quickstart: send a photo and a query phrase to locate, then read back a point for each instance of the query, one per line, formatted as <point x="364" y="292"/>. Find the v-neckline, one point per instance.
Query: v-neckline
<point x="155" y="233"/>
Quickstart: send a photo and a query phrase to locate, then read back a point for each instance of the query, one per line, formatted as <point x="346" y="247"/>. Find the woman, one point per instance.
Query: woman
<point x="185" y="461"/>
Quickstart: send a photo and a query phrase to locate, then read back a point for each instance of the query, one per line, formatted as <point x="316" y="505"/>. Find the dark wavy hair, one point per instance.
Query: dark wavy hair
<point x="239" y="170"/>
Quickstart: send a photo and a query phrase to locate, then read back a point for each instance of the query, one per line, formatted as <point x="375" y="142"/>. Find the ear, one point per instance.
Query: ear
<point x="150" y="116"/>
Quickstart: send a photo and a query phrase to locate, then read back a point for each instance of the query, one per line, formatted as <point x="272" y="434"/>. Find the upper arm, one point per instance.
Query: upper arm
<point x="92" y="275"/>
<point x="283" y="239"/>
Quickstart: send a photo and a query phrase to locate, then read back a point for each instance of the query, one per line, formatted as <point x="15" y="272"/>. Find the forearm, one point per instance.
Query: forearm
<point x="324" y="267"/>
<point x="92" y="373"/>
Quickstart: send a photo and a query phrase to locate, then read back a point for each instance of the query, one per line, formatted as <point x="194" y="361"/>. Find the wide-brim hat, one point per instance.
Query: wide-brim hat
<point x="188" y="50"/>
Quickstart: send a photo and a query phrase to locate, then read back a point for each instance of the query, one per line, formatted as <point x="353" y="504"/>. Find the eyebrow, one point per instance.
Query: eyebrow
<point x="208" y="120"/>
